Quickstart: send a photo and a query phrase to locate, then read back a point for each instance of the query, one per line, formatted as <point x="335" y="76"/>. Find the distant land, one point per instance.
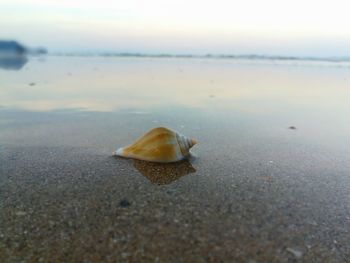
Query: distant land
<point x="13" y="55"/>
<point x="9" y="48"/>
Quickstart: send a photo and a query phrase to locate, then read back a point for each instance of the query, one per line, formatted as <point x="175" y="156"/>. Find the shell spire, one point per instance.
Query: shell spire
<point x="159" y="145"/>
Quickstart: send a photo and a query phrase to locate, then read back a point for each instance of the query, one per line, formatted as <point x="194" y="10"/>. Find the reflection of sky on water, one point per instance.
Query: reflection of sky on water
<point x="109" y="84"/>
<point x="314" y="96"/>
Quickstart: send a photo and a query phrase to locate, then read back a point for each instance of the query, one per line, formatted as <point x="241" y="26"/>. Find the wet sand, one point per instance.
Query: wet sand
<point x="256" y="190"/>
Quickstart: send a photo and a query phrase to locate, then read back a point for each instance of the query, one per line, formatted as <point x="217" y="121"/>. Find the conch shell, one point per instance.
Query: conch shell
<point x="160" y="145"/>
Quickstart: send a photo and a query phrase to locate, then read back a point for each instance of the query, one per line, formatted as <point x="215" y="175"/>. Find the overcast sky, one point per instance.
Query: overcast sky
<point x="298" y="27"/>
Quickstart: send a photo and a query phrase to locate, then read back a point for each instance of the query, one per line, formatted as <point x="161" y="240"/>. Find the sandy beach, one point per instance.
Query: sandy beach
<point x="268" y="182"/>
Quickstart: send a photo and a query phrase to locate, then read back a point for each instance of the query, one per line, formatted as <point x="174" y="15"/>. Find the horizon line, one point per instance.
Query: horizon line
<point x="250" y="56"/>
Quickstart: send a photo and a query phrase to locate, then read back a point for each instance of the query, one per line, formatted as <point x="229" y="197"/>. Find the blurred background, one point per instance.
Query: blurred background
<point x="280" y="28"/>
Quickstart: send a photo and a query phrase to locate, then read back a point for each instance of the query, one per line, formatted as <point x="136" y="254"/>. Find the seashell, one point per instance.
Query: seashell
<point x="160" y="145"/>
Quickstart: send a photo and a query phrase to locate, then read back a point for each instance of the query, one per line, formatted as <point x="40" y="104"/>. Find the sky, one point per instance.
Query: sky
<point x="268" y="27"/>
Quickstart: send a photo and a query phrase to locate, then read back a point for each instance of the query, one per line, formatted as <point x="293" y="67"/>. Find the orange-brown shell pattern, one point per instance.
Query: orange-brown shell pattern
<point x="158" y="145"/>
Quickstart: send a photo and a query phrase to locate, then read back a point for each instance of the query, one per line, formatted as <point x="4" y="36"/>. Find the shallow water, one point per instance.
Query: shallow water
<point x="255" y="190"/>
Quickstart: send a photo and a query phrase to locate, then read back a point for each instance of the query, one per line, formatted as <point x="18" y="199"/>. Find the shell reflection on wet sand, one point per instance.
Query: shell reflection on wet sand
<point x="160" y="145"/>
<point x="164" y="173"/>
